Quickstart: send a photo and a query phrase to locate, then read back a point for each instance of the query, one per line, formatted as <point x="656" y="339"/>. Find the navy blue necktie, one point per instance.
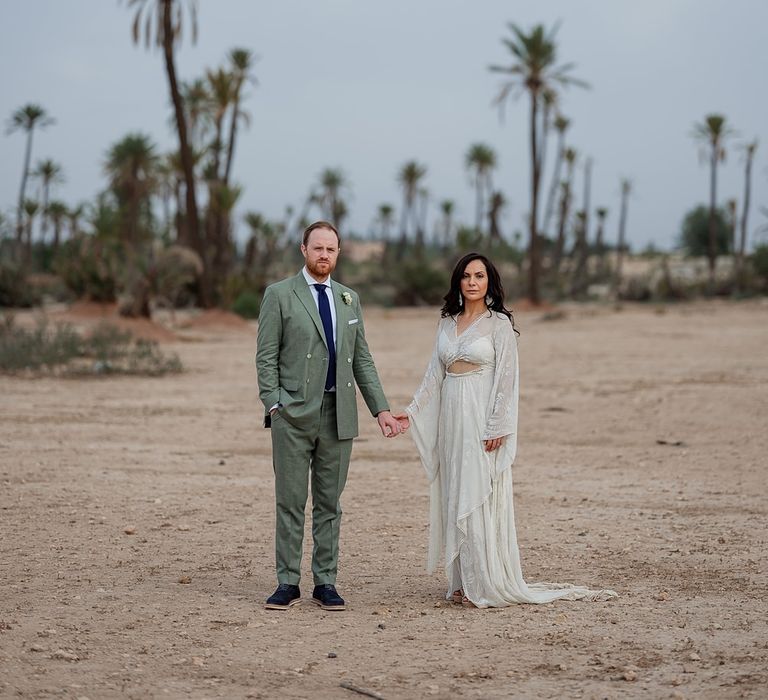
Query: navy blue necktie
<point x="325" y="317"/>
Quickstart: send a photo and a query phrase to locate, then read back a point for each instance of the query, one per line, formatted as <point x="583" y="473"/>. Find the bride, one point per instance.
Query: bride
<point x="464" y="423"/>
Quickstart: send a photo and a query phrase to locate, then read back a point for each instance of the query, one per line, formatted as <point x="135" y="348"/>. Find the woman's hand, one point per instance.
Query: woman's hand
<point x="402" y="418"/>
<point x="491" y="445"/>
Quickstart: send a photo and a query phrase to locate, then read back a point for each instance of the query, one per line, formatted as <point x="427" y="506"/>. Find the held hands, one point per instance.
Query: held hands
<point x="390" y="425"/>
<point x="404" y="421"/>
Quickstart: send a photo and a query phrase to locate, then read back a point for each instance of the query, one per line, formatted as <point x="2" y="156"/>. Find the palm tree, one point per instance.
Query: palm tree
<point x="409" y="177"/>
<point x="221" y="85"/>
<point x="130" y="166"/>
<point x="496" y="203"/>
<point x="480" y="160"/>
<point x="601" y="212"/>
<point x="74" y="214"/>
<point x="262" y="247"/>
<point x="222" y="204"/>
<point x="533" y="70"/>
<point x="447" y="207"/>
<point x="732" y="206"/>
<point x="566" y="188"/>
<point x="197" y="106"/>
<point x="333" y="183"/>
<point x="30" y="209"/>
<point x="580" y="254"/>
<point x="749" y="153"/>
<point x="385" y="218"/>
<point x="587" y="194"/>
<point x="163" y="21"/>
<point x="561" y="126"/>
<point x="26" y="119"/>
<point x="57" y="211"/>
<point x="49" y="173"/>
<point x="421" y="222"/>
<point x="242" y="61"/>
<point x="712" y="133"/>
<point x="626" y="190"/>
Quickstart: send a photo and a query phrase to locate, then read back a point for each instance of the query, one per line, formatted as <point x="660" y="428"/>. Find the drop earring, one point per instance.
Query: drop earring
<point x="461" y="300"/>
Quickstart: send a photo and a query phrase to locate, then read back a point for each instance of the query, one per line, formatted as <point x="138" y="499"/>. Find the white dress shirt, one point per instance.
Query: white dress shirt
<point x="316" y="296"/>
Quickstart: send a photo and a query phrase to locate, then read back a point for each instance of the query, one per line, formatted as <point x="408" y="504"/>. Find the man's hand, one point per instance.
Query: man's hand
<point x="390" y="427"/>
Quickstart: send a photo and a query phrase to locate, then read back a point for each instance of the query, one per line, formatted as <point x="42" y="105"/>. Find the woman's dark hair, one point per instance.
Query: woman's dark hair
<point x="494" y="295"/>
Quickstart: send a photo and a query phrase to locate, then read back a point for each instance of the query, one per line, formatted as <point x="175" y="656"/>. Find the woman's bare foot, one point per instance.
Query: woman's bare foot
<point x="467" y="603"/>
<point x="457" y="596"/>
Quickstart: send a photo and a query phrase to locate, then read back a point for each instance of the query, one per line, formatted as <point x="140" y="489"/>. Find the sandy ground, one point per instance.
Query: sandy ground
<point x="642" y="467"/>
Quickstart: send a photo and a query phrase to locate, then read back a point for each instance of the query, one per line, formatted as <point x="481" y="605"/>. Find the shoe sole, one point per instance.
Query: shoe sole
<point x="328" y="607"/>
<point x="275" y="606"/>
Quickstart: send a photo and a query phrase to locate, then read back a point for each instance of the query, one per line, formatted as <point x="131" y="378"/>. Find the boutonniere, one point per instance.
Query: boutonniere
<point x="347" y="297"/>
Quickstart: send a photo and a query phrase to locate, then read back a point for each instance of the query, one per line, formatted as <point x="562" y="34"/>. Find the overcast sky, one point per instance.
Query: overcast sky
<point x="365" y="86"/>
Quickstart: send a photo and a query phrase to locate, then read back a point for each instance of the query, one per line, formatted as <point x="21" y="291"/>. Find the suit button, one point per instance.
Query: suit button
<point x="349" y="383"/>
<point x="307" y="381"/>
<point x="349" y="359"/>
<point x="309" y="355"/>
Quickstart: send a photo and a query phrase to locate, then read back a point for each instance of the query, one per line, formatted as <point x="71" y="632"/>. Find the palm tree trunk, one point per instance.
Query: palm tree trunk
<point x="742" y="247"/>
<point x="533" y="245"/>
<point x="621" y="242"/>
<point x="600" y="249"/>
<point x="56" y="234"/>
<point x="232" y="136"/>
<point x="28" y="242"/>
<point x="403" y="242"/>
<point x="579" y="279"/>
<point x="712" y="240"/>
<point x="23" y="190"/>
<point x="550" y="206"/>
<point x="479" y="204"/>
<point x="44" y="212"/>
<point x="565" y="200"/>
<point x="587" y="197"/>
<point x="192" y="220"/>
<point x="217" y="147"/>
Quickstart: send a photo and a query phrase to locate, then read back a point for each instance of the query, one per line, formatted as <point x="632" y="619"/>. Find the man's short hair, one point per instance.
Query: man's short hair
<point x="317" y="225"/>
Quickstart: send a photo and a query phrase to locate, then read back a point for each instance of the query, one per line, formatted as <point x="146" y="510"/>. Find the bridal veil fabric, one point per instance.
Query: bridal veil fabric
<point x="472" y="518"/>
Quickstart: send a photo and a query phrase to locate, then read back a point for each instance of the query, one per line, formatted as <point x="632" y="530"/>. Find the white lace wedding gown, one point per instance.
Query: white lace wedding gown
<point x="472" y="517"/>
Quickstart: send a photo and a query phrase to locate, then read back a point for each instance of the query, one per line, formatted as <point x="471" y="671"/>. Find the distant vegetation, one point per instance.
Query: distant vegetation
<point x="59" y="349"/>
<point x="161" y="232"/>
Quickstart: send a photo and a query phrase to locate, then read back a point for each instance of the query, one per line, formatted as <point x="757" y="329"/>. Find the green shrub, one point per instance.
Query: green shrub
<point x="45" y="346"/>
<point x="90" y="267"/>
<point x="15" y="290"/>
<point x="760" y="262"/>
<point x="418" y="283"/>
<point x="60" y="348"/>
<point x="247" y="304"/>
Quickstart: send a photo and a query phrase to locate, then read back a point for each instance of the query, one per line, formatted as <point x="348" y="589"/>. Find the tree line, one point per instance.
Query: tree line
<point x="188" y="254"/>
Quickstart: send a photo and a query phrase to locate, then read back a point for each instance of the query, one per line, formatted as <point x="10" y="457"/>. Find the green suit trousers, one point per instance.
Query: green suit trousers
<point x="297" y="454"/>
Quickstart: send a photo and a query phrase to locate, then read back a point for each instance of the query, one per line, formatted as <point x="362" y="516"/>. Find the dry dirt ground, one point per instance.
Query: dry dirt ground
<point x="136" y="525"/>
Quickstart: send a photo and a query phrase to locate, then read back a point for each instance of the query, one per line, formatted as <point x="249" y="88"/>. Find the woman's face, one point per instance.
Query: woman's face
<point x="474" y="281"/>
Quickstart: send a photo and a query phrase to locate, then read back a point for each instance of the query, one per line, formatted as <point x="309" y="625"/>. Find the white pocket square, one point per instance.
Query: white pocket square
<point x="354" y="320"/>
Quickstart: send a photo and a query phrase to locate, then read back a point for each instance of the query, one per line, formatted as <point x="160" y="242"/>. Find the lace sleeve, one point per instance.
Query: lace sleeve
<point x="502" y="408"/>
<point x="429" y="388"/>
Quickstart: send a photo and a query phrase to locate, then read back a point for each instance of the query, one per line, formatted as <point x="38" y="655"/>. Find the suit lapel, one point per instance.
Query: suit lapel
<point x="301" y="289"/>
<point x="341" y="317"/>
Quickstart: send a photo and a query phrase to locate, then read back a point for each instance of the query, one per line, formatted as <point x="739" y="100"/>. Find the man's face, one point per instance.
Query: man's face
<point x="321" y="253"/>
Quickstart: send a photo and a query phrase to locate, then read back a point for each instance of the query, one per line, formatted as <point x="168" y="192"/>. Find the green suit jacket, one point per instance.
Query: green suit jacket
<point x="292" y="357"/>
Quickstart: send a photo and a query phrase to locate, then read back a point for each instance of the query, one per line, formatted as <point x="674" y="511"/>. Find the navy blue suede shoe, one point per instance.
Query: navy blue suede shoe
<point x="285" y="596"/>
<point x="327" y="598"/>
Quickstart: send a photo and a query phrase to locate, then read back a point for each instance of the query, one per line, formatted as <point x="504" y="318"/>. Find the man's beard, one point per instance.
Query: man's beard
<point x="320" y="272"/>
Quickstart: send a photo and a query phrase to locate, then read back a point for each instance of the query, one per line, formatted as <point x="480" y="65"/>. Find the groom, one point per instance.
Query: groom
<point x="311" y="351"/>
